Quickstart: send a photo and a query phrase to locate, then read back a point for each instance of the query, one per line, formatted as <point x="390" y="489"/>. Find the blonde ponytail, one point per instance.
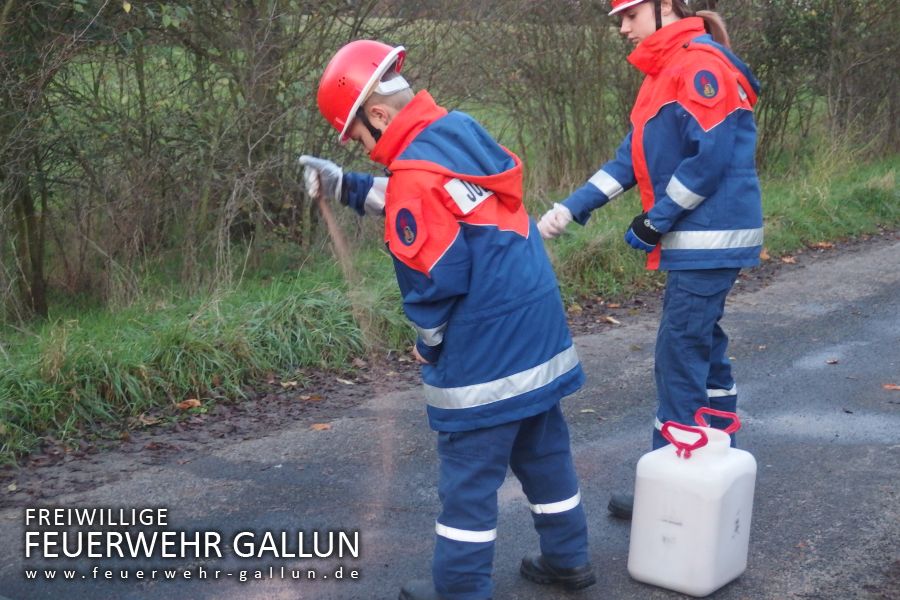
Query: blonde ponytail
<point x="713" y="21"/>
<point x="715" y="25"/>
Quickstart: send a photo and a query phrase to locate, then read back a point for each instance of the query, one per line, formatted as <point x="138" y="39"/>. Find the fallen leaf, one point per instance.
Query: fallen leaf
<point x="762" y="347"/>
<point x="270" y="378"/>
<point x="635" y="348"/>
<point x="887" y="386"/>
<point x="789" y="260"/>
<point x="576" y="308"/>
<point x="126" y="6"/>
<point x="764" y="255"/>
<point x="285" y="385"/>
<point x="145" y="420"/>
<point x="359" y="363"/>
<point x="216" y="381"/>
<point x="822" y="245"/>
<point x="613" y="305"/>
<point x="12" y="487"/>
<point x="344" y="381"/>
<point x="189" y="403"/>
<point x="832" y="361"/>
<point x="391" y="373"/>
<point x="610" y="319"/>
<point x="588" y="410"/>
<point x="311" y="397"/>
<point x="320" y="426"/>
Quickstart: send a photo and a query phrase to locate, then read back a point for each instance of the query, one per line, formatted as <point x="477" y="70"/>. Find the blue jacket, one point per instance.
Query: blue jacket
<point x="471" y="266"/>
<point x="690" y="151"/>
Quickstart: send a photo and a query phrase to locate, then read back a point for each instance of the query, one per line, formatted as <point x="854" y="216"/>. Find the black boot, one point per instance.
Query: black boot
<point x="535" y="568"/>
<point x="420" y="589"/>
<point x="621" y="506"/>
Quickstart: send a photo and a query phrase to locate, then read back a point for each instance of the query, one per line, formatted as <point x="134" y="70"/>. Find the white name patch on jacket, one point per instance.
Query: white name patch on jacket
<point x="466" y="194"/>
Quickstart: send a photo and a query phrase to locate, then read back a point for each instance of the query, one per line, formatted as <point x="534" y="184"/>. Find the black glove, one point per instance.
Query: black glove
<point x="642" y="234"/>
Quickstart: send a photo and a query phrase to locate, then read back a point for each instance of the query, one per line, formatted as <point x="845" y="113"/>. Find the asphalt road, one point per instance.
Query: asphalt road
<point x="812" y="352"/>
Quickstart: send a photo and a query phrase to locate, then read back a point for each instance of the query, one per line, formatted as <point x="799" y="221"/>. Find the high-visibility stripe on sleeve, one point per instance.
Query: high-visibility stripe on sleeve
<point x="682" y="195"/>
<point x="557" y="507"/>
<point x="432" y="336"/>
<point x="606" y="183"/>
<point x="465" y="535"/>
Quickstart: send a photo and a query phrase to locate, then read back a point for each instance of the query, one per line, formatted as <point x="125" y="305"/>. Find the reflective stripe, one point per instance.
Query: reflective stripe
<point x="375" y="198"/>
<point x="658" y="424"/>
<point x="712" y="240"/>
<point x="557" y="507"/>
<point x="606" y="183"/>
<point x="480" y="394"/>
<point x="464" y="535"/>
<point x="433" y="336"/>
<point x="722" y="393"/>
<point x="682" y="195"/>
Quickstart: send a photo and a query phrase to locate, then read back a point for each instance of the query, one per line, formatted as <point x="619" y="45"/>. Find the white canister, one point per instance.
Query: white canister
<point x="690" y="530"/>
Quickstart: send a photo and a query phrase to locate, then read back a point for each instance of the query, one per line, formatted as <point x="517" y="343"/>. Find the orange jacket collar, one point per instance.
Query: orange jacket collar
<point x="656" y="49"/>
<point x="406" y="125"/>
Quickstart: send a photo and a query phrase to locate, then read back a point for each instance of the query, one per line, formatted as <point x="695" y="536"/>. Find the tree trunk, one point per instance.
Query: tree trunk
<point x="30" y="246"/>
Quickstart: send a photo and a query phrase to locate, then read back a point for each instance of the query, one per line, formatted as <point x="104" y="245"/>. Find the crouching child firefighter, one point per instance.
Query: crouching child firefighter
<point x="496" y="353"/>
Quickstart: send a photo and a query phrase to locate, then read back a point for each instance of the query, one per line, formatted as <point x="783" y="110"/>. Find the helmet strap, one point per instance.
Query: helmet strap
<point x="657" y="9"/>
<point x="364" y="118"/>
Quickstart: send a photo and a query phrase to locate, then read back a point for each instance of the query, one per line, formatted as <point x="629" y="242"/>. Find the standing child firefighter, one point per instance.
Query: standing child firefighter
<point x="691" y="152"/>
<point x="496" y="352"/>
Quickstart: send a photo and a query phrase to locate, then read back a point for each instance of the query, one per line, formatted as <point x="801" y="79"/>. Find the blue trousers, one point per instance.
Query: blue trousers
<point x="692" y="368"/>
<point x="473" y="467"/>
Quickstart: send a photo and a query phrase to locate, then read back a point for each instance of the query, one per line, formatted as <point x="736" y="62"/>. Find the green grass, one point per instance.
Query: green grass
<point x="89" y="366"/>
<point x="70" y="375"/>
<point x="836" y="199"/>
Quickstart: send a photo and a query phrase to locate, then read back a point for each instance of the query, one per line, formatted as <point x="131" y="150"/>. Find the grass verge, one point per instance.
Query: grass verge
<point x="103" y="367"/>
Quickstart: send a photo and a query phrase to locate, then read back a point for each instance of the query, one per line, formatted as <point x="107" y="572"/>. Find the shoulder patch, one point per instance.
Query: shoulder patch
<point x="406" y="227"/>
<point x="706" y="84"/>
<point x="406" y="231"/>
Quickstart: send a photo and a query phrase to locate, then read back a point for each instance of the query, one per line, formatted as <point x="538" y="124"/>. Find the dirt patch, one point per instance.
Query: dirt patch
<point x="311" y="398"/>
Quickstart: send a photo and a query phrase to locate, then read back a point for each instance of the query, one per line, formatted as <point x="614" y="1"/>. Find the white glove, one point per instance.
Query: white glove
<point x="554" y="221"/>
<point x="321" y="177"/>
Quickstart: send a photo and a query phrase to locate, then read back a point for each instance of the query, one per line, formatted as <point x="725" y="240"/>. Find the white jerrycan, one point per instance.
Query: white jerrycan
<point x="690" y="530"/>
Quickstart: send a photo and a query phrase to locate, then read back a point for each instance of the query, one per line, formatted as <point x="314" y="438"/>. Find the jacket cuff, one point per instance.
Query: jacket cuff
<point x="429" y="353"/>
<point x="354" y="189"/>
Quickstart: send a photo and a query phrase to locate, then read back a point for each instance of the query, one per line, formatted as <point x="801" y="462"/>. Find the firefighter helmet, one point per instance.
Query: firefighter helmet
<point x="351" y="75"/>
<point x="620" y="5"/>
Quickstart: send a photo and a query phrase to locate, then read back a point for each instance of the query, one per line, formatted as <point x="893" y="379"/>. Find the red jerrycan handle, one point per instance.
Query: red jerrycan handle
<point x="735" y="422"/>
<point x="683" y="448"/>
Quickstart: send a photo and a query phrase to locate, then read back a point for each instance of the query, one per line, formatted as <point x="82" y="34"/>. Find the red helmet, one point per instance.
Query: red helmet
<point x="620" y="5"/>
<point x="350" y="77"/>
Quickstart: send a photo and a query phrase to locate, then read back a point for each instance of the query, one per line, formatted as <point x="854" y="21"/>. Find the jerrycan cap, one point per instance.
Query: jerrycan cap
<point x="684" y="449"/>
